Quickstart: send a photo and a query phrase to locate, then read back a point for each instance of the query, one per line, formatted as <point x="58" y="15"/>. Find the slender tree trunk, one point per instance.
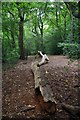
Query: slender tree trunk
<point x="79" y="23"/>
<point x="41" y="30"/>
<point x="21" y="24"/>
<point x="65" y="27"/>
<point x="79" y="31"/>
<point x="21" y="39"/>
<point x="41" y="35"/>
<point x="37" y="41"/>
<point x="12" y="30"/>
<point x="13" y="40"/>
<point x="37" y="34"/>
<point x="56" y="16"/>
<point x="73" y="28"/>
<point x="79" y="55"/>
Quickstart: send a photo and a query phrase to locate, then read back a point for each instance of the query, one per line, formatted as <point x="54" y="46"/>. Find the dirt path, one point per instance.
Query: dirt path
<point x="19" y="93"/>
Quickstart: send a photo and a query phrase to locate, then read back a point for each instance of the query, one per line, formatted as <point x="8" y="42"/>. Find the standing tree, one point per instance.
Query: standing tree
<point x="74" y="8"/>
<point x="40" y="25"/>
<point x="21" y="24"/>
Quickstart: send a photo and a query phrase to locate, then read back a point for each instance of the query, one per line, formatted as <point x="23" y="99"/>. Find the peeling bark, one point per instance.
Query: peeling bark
<point x="43" y="88"/>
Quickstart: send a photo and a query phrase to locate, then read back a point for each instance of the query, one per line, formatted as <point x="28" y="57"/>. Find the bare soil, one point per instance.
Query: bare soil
<point x="18" y="93"/>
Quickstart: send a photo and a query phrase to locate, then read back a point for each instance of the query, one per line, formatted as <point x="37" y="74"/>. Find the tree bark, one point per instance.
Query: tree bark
<point x="64" y="27"/>
<point x="56" y="16"/>
<point x="79" y="31"/>
<point x="43" y="88"/>
<point x="13" y="40"/>
<point x="20" y="39"/>
<point x="41" y="30"/>
<point x="73" y="28"/>
<point x="43" y="91"/>
<point x="12" y="29"/>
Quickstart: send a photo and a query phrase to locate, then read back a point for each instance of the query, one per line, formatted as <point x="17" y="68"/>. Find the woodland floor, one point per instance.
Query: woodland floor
<point x="19" y="93"/>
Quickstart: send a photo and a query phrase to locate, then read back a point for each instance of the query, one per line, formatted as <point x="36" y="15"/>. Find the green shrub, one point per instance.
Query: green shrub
<point x="51" y="44"/>
<point x="10" y="56"/>
<point x="72" y="50"/>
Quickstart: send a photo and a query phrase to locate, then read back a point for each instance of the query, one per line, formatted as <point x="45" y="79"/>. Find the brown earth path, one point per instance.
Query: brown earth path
<point x="19" y="93"/>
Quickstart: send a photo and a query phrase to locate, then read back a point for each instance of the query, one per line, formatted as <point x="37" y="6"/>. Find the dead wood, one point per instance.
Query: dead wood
<point x="43" y="85"/>
<point x="36" y="72"/>
<point x="46" y="97"/>
<point x="44" y="59"/>
<point x="27" y="108"/>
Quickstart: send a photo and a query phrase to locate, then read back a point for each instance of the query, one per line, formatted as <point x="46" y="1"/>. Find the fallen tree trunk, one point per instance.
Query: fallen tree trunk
<point x="44" y="59"/>
<point x="36" y="72"/>
<point x="46" y="97"/>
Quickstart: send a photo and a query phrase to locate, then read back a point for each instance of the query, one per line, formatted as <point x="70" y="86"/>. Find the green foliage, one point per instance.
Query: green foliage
<point x="72" y="50"/>
<point x="51" y="43"/>
<point x="58" y="27"/>
<point x="11" y="55"/>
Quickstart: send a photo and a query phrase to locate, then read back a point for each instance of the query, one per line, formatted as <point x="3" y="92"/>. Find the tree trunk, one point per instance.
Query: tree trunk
<point x="21" y="24"/>
<point x="37" y="41"/>
<point x="13" y="40"/>
<point x="21" y="40"/>
<point x="79" y="24"/>
<point x="56" y="16"/>
<point x="79" y="43"/>
<point x="41" y="30"/>
<point x="12" y="30"/>
<point x="73" y="28"/>
<point x="43" y="90"/>
<point x="65" y="27"/>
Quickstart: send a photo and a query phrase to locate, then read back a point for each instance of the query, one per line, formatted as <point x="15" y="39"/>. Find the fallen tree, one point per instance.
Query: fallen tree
<point x="44" y="59"/>
<point x="42" y="86"/>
